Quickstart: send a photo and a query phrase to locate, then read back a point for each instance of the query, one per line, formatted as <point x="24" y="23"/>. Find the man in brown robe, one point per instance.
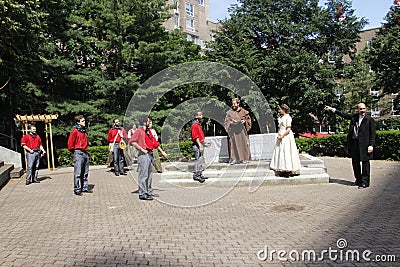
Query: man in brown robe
<point x="237" y="124"/>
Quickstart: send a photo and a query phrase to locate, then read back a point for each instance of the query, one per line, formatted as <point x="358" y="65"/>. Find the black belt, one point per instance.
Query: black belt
<point x="149" y="151"/>
<point x="81" y="150"/>
<point x="36" y="149"/>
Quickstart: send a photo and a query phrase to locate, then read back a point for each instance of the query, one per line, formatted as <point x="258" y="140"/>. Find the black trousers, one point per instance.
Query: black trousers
<point x="361" y="169"/>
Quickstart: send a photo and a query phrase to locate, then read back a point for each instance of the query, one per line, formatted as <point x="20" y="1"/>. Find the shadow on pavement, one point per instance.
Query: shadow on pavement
<point x="340" y="181"/>
<point x="42" y="178"/>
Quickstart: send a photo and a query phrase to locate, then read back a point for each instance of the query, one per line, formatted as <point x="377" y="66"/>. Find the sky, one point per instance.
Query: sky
<point x="373" y="10"/>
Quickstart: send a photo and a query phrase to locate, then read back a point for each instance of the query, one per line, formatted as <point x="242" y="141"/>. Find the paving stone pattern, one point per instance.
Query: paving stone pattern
<point x="47" y="225"/>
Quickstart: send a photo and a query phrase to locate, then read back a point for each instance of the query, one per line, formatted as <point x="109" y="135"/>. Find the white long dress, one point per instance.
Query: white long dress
<point x="285" y="157"/>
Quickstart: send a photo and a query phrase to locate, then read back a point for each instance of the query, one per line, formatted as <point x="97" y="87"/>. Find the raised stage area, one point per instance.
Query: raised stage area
<point x="254" y="173"/>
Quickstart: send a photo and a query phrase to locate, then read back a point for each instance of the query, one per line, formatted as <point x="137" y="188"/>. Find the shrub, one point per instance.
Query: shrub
<point x="387" y="145"/>
<point x="99" y="154"/>
<point x="176" y="152"/>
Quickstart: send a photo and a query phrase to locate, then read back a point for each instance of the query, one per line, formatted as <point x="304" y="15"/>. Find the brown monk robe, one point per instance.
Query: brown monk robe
<point x="237" y="124"/>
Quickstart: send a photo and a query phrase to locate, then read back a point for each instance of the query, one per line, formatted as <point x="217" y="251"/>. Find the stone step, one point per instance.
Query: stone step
<point x="5" y="173"/>
<point x="249" y="181"/>
<point x="312" y="171"/>
<point x="17" y="173"/>
<point x="189" y="166"/>
<point x="236" y="172"/>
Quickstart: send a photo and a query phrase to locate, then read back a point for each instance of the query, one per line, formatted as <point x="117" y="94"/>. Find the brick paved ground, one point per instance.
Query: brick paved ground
<point x="47" y="225"/>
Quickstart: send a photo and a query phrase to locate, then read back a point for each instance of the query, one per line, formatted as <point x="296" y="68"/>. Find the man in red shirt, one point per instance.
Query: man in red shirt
<point x="198" y="147"/>
<point x="78" y="144"/>
<point x="114" y="137"/>
<point x="144" y="141"/>
<point x="32" y="144"/>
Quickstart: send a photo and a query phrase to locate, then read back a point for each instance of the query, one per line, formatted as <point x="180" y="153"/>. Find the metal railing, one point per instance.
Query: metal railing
<point x="11" y="138"/>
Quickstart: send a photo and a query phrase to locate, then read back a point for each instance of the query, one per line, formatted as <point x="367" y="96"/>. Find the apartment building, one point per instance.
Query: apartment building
<point x="387" y="106"/>
<point x="193" y="18"/>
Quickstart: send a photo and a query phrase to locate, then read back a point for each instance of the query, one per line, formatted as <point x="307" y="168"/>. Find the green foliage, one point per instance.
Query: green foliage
<point x="83" y="57"/>
<point x="387" y="145"/>
<point x="98" y="156"/>
<point x="22" y="25"/>
<point x="178" y="151"/>
<point x="357" y="82"/>
<point x="103" y="52"/>
<point x="334" y="145"/>
<point x="283" y="46"/>
<point x="384" y="55"/>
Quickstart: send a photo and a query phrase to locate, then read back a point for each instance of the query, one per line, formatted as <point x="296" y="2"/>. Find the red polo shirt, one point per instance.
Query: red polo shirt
<point x="113" y="132"/>
<point x="33" y="142"/>
<point x="146" y="141"/>
<point x="197" y="132"/>
<point x="77" y="140"/>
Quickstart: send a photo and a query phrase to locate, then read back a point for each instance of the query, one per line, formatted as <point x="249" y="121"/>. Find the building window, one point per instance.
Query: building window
<point x="212" y="36"/>
<point x="176" y="7"/>
<point x="369" y="45"/>
<point x="195" y="40"/>
<point x="190" y="25"/>
<point x="333" y="56"/>
<point x="189" y="9"/>
<point x="396" y="106"/>
<point x="176" y="22"/>
<point x="201" y="2"/>
<point x="376" y="111"/>
<point x="373" y="92"/>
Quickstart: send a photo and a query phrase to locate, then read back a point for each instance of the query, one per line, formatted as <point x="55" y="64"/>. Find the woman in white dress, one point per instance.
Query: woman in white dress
<point x="285" y="158"/>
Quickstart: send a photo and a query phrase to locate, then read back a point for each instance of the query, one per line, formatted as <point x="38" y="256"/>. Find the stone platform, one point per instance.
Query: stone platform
<point x="313" y="171"/>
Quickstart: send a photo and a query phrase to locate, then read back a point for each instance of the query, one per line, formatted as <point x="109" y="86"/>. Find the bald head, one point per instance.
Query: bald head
<point x="362" y="109"/>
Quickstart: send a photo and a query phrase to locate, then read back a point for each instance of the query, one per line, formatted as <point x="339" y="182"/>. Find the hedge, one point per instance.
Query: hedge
<point x="99" y="154"/>
<point x="387" y="147"/>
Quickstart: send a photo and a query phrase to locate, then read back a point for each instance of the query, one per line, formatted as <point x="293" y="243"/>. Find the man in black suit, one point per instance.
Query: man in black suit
<point x="361" y="141"/>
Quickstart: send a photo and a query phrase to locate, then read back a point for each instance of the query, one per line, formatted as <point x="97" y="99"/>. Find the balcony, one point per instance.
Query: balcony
<point x="375" y="113"/>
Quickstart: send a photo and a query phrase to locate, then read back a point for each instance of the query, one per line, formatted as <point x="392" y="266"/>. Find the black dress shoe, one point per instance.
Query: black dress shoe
<point x="116" y="174"/>
<point x="123" y="173"/>
<point x="87" y="191"/>
<point x="27" y="183"/>
<point x="203" y="177"/>
<point x="145" y="197"/>
<point x="78" y="193"/>
<point x="199" y="179"/>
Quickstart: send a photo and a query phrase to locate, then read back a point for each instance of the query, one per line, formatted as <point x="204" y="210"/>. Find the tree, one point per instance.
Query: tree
<point x="357" y="83"/>
<point x="21" y="27"/>
<point x="100" y="52"/>
<point x="293" y="50"/>
<point x="384" y="54"/>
